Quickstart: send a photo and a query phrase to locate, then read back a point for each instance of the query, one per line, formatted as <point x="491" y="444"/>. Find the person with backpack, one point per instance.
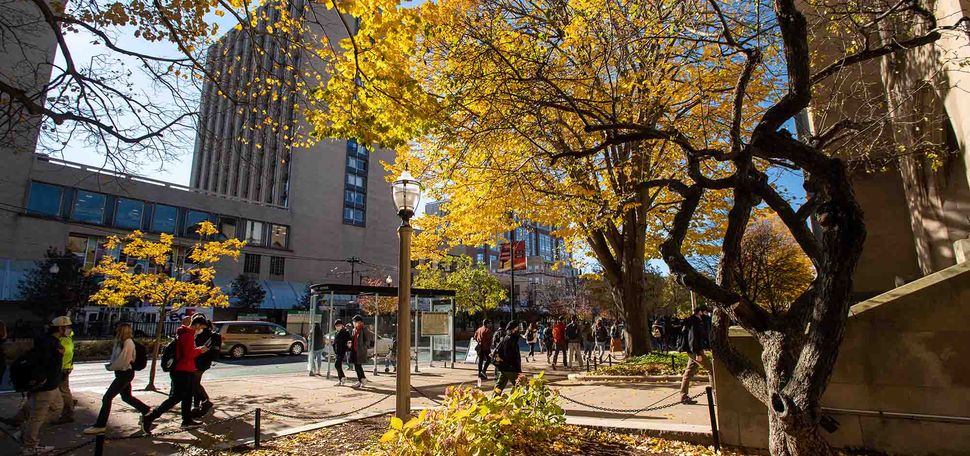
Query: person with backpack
<point x="122" y="363"/>
<point x="341" y="345"/>
<point x="532" y="339"/>
<point x="616" y="338"/>
<point x="508" y="358"/>
<point x="694" y="341"/>
<point x="547" y="342"/>
<point x="38" y="373"/>
<point x="182" y="372"/>
<point x="213" y="341"/>
<point x="574" y="341"/>
<point x="483" y="338"/>
<point x="360" y="340"/>
<point x="559" y="344"/>
<point x="317" y="350"/>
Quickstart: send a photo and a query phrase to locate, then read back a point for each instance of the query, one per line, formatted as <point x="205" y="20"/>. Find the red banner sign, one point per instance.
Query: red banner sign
<point x="505" y="261"/>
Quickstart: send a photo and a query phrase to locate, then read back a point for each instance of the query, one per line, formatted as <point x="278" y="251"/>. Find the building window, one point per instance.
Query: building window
<point x="353" y="216"/>
<point x="251" y="263"/>
<point x="354" y="198"/>
<point x="277" y="266"/>
<point x="254" y="233"/>
<point x="545" y="247"/>
<point x="192" y="221"/>
<point x="128" y="214"/>
<point x="44" y="199"/>
<point x="227" y="226"/>
<point x="355" y="193"/>
<point x="89" y="207"/>
<point x="164" y="219"/>
<point x="279" y="236"/>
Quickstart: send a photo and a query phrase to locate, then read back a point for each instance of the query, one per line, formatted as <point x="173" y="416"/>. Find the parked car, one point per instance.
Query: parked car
<point x="383" y="346"/>
<point x="241" y="338"/>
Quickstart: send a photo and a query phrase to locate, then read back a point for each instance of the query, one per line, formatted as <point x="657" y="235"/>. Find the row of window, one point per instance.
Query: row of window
<point x="355" y="191"/>
<point x="253" y="261"/>
<point x="131" y="214"/>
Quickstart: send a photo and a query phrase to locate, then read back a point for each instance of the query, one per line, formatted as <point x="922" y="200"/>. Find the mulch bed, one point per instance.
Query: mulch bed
<point x="353" y="437"/>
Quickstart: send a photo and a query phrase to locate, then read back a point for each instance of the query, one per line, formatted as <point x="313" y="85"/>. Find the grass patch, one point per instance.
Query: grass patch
<point x="656" y="363"/>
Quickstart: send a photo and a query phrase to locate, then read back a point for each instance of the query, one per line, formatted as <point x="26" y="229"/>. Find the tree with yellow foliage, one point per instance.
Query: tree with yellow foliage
<point x="638" y="126"/>
<point x="772" y="269"/>
<point x="476" y="289"/>
<point x="505" y="107"/>
<point x="188" y="283"/>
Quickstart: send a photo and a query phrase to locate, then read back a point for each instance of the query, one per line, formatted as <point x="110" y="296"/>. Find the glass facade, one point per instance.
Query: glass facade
<point x="279" y="236"/>
<point x="165" y="219"/>
<point x="227" y="226"/>
<point x="192" y="221"/>
<point x="355" y="193"/>
<point x="129" y="213"/>
<point x="277" y="266"/>
<point x="251" y="263"/>
<point x="89" y="207"/>
<point x="45" y="199"/>
<point x="254" y="233"/>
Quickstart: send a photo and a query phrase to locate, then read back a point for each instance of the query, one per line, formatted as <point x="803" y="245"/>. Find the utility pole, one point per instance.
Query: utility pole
<point x="353" y="267"/>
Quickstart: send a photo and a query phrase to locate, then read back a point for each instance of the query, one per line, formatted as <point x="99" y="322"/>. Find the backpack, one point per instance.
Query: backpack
<point x="683" y="339"/>
<point x="141" y="357"/>
<point x="26" y="373"/>
<point x="498" y="353"/>
<point x="169" y="353"/>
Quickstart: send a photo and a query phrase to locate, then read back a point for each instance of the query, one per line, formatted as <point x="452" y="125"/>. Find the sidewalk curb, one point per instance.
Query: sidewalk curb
<point x="696" y="434"/>
<point x="634" y="378"/>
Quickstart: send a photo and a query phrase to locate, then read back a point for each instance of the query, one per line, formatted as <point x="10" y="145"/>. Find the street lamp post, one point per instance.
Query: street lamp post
<point x="406" y="192"/>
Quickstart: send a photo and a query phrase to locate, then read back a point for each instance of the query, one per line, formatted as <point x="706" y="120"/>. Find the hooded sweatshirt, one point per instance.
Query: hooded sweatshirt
<point x="185" y="350"/>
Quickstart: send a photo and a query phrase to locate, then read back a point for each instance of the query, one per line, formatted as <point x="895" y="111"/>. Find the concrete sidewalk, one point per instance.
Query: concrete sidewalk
<point x="312" y="400"/>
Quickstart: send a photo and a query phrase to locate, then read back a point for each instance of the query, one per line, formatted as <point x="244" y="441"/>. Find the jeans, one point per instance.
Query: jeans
<point x="601" y="348"/>
<point x="339" y="364"/>
<point x="532" y="350"/>
<point x="575" y="354"/>
<point x="692" y="366"/>
<point x="199" y="395"/>
<point x="560" y="348"/>
<point x="120" y="385"/>
<point x="41" y="405"/>
<point x="316" y="361"/>
<point x="182" y="386"/>
<point x="483" y="361"/>
<point x="504" y="378"/>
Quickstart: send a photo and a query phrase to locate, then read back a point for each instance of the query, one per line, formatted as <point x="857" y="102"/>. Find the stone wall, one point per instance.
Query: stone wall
<point x="905" y="354"/>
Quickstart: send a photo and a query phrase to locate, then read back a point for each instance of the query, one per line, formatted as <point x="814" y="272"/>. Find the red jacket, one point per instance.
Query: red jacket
<point x="185" y="350"/>
<point x="559" y="334"/>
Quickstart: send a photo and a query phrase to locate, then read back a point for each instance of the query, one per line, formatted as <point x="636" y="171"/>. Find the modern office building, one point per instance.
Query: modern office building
<point x="549" y="273"/>
<point x="304" y="211"/>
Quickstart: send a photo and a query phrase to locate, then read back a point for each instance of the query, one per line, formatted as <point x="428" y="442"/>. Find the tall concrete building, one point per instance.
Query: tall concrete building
<point x="304" y="211"/>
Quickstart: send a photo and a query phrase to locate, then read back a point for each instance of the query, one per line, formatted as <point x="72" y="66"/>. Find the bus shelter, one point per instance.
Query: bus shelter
<point x="432" y="319"/>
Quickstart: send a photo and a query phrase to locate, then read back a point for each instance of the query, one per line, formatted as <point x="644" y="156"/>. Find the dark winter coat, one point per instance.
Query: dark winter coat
<point x="696" y="335"/>
<point x="508" y="351"/>
<point x="601" y="334"/>
<point x="214" y="341"/>
<point x="340" y="341"/>
<point x="360" y="340"/>
<point x="50" y="359"/>
<point x="572" y="332"/>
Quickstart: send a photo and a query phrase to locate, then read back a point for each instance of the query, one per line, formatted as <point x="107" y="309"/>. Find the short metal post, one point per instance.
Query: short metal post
<point x="673" y="363"/>
<point x="710" y="408"/>
<point x="610" y="359"/>
<point x="256" y="427"/>
<point x="99" y="445"/>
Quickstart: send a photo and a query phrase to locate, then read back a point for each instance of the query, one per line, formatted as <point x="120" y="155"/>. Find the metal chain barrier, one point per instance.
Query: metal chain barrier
<point x="436" y="402"/>
<point x="324" y="417"/>
<point x="650" y="408"/>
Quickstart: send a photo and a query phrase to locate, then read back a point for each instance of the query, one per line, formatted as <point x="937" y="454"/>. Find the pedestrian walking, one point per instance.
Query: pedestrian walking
<point x="532" y="339"/>
<point x="601" y="338"/>
<point x="508" y="358"/>
<point x="317" y="350"/>
<point x="483" y="338"/>
<point x="390" y="360"/>
<point x="360" y="341"/>
<point x="694" y="341"/>
<point x="547" y="342"/>
<point x="559" y="344"/>
<point x="341" y="345"/>
<point x="44" y="361"/>
<point x="587" y="340"/>
<point x="574" y="339"/>
<point x="201" y="405"/>
<point x="616" y="338"/>
<point x="182" y="374"/>
<point x="122" y="358"/>
<point x="65" y="337"/>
